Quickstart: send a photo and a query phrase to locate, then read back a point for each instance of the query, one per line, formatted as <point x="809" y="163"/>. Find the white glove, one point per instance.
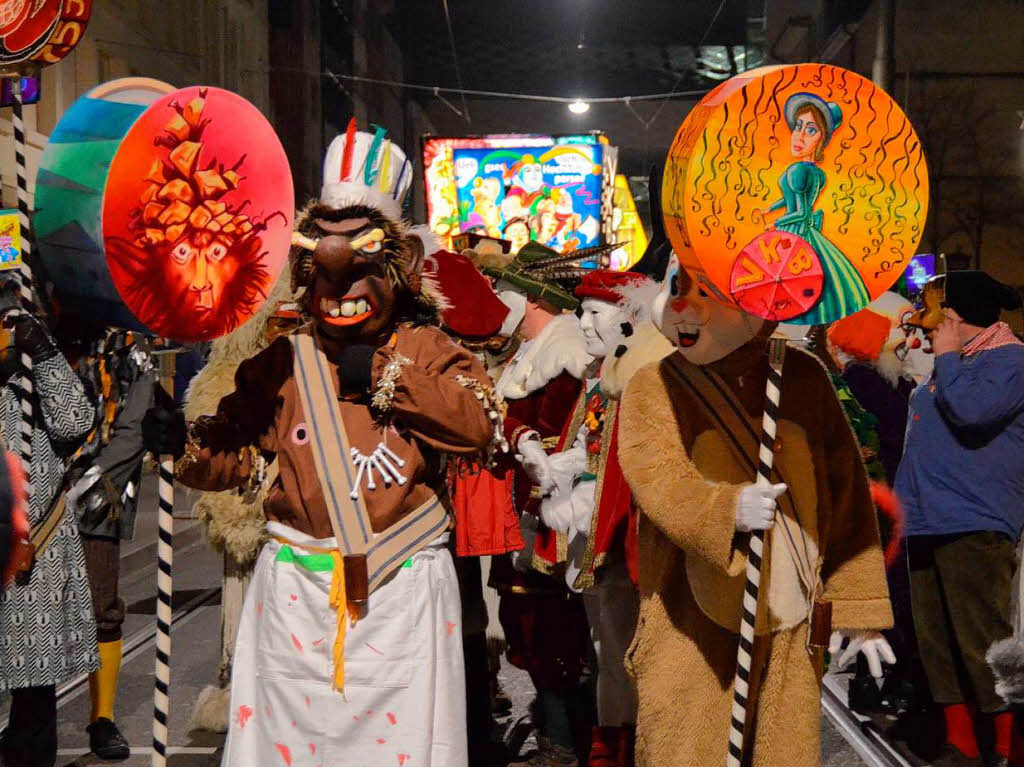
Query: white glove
<point x="755" y="508"/>
<point x="871" y="644"/>
<point x="582" y="501"/>
<point x="80" y="488"/>
<point x="566" y="467"/>
<point x="556" y="511"/>
<point x="536" y="464"/>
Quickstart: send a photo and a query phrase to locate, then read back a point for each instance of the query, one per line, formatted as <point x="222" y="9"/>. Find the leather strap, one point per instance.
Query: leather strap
<point x="384" y="551"/>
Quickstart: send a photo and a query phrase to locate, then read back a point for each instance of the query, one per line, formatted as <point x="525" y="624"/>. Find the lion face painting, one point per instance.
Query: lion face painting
<point x="196" y="263"/>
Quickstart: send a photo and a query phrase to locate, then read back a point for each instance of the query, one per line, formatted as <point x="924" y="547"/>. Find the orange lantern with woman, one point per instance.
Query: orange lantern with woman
<point x="801" y="191"/>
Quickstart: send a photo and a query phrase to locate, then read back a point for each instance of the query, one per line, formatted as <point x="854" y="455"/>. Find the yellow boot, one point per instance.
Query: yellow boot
<point x="105" y="740"/>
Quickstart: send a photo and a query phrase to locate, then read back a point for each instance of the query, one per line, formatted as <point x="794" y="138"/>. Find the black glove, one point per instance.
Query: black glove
<point x="163" y="431"/>
<point x="32" y="337"/>
<point x="355" y="367"/>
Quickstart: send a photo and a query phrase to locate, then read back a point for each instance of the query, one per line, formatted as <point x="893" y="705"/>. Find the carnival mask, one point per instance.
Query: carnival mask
<point x="931" y="315"/>
<point x="355" y="294"/>
<point x="601" y="323"/>
<point x="703" y="328"/>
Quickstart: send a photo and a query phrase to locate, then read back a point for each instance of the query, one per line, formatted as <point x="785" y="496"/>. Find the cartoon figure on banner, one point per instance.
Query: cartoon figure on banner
<point x="10" y="240"/>
<point x="525" y="186"/>
<point x="817" y="237"/>
<point x="517" y="231"/>
<point x="485" y="204"/>
<point x="197" y="259"/>
<point x="568" y="221"/>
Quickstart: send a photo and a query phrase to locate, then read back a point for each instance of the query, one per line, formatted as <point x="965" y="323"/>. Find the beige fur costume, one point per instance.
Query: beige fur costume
<point x="233" y="527"/>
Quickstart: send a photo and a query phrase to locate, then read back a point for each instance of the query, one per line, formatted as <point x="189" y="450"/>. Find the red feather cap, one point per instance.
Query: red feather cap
<point x="608" y="285"/>
<point x="474" y="311"/>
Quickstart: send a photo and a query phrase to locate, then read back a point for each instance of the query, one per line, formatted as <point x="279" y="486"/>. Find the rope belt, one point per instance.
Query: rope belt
<point x="338" y="600"/>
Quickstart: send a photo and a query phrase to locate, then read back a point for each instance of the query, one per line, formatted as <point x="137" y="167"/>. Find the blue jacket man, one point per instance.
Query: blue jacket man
<point x="961" y="482"/>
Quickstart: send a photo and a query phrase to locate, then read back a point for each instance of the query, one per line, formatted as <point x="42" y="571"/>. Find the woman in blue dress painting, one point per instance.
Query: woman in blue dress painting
<point x="812" y="122"/>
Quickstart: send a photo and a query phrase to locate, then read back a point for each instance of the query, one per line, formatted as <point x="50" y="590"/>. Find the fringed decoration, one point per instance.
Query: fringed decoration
<point x="370" y="174"/>
<point x="350" y="145"/>
<point x="398" y="181"/>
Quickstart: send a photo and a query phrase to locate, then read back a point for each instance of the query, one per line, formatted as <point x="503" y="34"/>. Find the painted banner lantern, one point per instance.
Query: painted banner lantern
<point x="34" y="33"/>
<point x="197" y="214"/>
<point x="799" y="192"/>
<point x="72" y="178"/>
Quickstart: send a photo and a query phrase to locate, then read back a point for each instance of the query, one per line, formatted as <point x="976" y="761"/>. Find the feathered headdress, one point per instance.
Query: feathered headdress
<point x="544" y="273"/>
<point x="366" y="169"/>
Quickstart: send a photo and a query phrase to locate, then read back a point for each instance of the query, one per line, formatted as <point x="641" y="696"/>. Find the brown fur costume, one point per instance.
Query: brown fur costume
<point x="233" y="527"/>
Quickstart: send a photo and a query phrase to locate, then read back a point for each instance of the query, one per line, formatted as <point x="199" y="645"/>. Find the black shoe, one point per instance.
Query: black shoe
<point x="106" y="741"/>
<point x="863" y="696"/>
<point x="898" y="694"/>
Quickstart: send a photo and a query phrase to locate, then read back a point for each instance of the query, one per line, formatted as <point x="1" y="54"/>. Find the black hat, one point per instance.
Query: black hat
<point x="977" y="296"/>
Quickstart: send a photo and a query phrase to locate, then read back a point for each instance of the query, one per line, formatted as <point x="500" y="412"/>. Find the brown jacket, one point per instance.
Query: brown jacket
<point x="686" y="483"/>
<point x="432" y="412"/>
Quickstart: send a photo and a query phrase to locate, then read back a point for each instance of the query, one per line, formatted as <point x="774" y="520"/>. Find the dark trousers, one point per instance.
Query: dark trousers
<point x="961" y="592"/>
<point x="102" y="563"/>
<point x="31" y="736"/>
<point x="474" y="642"/>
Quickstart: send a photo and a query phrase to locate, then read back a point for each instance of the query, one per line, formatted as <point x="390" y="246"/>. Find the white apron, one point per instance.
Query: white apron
<point x="404" y="701"/>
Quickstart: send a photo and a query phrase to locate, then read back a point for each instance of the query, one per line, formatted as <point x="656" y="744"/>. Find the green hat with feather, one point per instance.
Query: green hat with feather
<point x="540" y="272"/>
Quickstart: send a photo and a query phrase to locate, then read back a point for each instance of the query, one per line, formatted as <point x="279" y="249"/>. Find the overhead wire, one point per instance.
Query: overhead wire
<point x="455" y="60"/>
<point x="435" y="89"/>
<point x="679" y="77"/>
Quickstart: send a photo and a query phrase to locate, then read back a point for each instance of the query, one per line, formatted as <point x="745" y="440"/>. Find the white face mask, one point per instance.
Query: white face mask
<point x="601" y="323"/>
<point x="702" y="328"/>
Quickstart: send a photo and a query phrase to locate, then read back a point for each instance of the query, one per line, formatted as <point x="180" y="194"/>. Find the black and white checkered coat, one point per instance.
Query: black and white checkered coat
<point x="47" y="630"/>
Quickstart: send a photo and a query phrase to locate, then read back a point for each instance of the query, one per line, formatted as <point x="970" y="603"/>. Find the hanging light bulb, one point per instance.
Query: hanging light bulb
<point x="579" y="106"/>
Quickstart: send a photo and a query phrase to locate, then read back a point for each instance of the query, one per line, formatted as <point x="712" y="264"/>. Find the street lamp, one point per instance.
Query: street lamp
<point x="579" y="106"/>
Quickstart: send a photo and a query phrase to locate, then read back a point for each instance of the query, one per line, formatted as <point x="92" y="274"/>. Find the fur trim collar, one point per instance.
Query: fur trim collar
<point x="559" y="348"/>
<point x="430" y="242"/>
<point x="646" y="345"/>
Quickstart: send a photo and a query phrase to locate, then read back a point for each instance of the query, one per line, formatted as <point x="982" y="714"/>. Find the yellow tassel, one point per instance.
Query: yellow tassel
<point x="385" y="168"/>
<point x="339" y="602"/>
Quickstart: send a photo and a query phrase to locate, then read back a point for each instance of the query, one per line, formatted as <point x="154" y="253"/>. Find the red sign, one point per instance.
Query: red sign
<point x="777" y="276"/>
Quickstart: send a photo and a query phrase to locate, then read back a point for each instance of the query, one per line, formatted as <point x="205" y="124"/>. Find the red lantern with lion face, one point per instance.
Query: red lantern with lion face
<point x="197" y="214"/>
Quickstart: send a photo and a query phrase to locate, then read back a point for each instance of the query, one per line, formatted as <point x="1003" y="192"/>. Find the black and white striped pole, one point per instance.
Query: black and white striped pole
<point x="25" y="284"/>
<point x="164" y="583"/>
<point x="765" y="461"/>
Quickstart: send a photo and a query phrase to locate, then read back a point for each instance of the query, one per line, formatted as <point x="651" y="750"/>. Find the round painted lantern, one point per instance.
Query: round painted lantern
<point x="34" y="33"/>
<point x="73" y="174"/>
<point x="800" y="192"/>
<point x="197" y="214"/>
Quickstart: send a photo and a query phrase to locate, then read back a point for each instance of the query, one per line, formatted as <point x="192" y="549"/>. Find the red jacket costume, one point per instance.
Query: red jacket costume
<point x="613" y="527"/>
